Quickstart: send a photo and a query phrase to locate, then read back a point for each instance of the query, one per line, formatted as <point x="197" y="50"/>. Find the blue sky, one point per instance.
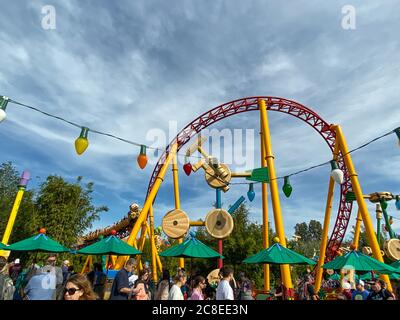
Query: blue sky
<point x="129" y="67"/>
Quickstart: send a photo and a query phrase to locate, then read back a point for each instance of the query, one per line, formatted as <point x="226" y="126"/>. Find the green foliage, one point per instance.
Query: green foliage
<point x="64" y="209"/>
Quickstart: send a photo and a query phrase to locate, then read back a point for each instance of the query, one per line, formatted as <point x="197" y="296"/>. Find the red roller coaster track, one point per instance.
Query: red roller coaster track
<point x="273" y="104"/>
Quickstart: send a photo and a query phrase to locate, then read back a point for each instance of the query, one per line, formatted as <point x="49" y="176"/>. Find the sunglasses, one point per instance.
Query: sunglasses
<point x="71" y="291"/>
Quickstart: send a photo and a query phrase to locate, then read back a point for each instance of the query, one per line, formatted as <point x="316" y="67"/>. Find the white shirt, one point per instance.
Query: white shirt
<point x="224" y="291"/>
<point x="175" y="293"/>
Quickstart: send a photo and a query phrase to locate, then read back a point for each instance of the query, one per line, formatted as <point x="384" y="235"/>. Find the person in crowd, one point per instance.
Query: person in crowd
<point x="360" y="293"/>
<point x="385" y="287"/>
<point x="42" y="286"/>
<point x="379" y="293"/>
<point x="15" y="270"/>
<point x="306" y="289"/>
<point x="199" y="283"/>
<point x="163" y="286"/>
<point x="346" y="291"/>
<point x="98" y="279"/>
<point x="65" y="272"/>
<point x="245" y="288"/>
<point x="224" y="289"/>
<point x="120" y="289"/>
<point x="209" y="291"/>
<point x="141" y="287"/>
<point x="52" y="268"/>
<point x="175" y="293"/>
<point x="78" y="287"/>
<point x="279" y="290"/>
<point x="7" y="287"/>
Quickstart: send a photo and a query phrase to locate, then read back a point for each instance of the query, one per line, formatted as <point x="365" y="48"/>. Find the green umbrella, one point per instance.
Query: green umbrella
<point x="277" y="254"/>
<point x="39" y="243"/>
<point x="335" y="276"/>
<point x="396" y="265"/>
<point x="367" y="276"/>
<point x="358" y="261"/>
<point x="191" y="248"/>
<point x="110" y="245"/>
<point x="3" y="246"/>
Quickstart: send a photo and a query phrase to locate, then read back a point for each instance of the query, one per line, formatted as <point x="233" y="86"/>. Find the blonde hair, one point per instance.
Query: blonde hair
<point x="83" y="284"/>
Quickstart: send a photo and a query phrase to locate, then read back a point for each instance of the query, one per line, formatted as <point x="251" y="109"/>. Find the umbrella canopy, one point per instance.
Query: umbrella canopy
<point x="110" y="245"/>
<point x="191" y="248"/>
<point x="396" y="265"/>
<point x="335" y="276"/>
<point x="368" y="276"/>
<point x="3" y="246"/>
<point x="359" y="262"/>
<point x="277" y="254"/>
<point x="39" y="243"/>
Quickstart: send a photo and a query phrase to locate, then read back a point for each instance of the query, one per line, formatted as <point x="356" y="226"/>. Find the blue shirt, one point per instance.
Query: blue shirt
<point x="360" y="295"/>
<point x="41" y="287"/>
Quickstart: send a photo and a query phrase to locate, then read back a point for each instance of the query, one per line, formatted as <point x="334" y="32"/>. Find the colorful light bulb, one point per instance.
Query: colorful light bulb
<point x="142" y="158"/>
<point x="336" y="173"/>
<point x="187" y="167"/>
<point x="3" y="105"/>
<point x="397" y="203"/>
<point x="81" y="143"/>
<point x="251" y="194"/>
<point x="397" y="131"/>
<point x="287" y="188"/>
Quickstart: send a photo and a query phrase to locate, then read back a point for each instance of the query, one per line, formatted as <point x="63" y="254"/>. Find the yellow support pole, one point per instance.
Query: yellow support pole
<point x="376" y="251"/>
<point x="159" y="265"/>
<point x="149" y="201"/>
<point x="357" y="231"/>
<point x="197" y="223"/>
<point x="153" y="247"/>
<point x="285" y="271"/>
<point x="177" y="198"/>
<point x="140" y="246"/>
<point x="264" y="192"/>
<point x="325" y="229"/>
<point x="87" y="261"/>
<point x="14" y="211"/>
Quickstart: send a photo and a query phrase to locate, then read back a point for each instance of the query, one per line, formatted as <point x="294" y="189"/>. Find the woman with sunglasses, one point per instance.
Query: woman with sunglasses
<point x="199" y="283"/>
<point x="78" y="288"/>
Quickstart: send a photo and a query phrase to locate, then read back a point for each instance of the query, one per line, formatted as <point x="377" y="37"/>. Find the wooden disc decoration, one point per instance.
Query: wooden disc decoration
<point x="392" y="249"/>
<point x="175" y="223"/>
<point x="219" y="223"/>
<point x="216" y="180"/>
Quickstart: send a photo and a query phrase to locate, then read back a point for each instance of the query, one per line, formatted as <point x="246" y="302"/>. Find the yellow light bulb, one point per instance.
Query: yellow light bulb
<point x="81" y="143"/>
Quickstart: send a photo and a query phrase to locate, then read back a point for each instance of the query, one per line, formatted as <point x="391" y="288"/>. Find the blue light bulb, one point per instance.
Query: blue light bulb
<point x="251" y="194"/>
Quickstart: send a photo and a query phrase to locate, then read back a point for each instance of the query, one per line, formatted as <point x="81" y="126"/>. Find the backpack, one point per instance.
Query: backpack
<point x="6" y="287"/>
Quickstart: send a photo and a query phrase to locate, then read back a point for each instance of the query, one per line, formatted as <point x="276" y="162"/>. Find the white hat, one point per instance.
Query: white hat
<point x="66" y="261"/>
<point x="346" y="286"/>
<point x="360" y="282"/>
<point x="16" y="261"/>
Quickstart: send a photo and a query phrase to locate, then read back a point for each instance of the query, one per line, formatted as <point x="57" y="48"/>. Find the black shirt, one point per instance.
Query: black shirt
<point x="383" y="294"/>
<point x="121" y="281"/>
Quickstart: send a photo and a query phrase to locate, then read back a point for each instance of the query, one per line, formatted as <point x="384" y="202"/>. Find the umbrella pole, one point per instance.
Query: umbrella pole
<point x="218" y="206"/>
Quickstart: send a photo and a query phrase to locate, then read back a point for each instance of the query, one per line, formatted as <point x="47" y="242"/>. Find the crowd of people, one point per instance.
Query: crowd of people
<point x="52" y="282"/>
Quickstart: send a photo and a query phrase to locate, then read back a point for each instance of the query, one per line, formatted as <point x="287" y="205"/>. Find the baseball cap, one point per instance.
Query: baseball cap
<point x="346" y="286"/>
<point x="17" y="261"/>
<point x="360" y="282"/>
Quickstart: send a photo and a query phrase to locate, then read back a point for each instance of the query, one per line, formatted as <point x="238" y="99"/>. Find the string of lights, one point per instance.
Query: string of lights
<point x="81" y="144"/>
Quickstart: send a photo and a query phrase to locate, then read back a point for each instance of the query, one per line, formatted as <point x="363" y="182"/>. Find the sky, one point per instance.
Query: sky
<point x="137" y="68"/>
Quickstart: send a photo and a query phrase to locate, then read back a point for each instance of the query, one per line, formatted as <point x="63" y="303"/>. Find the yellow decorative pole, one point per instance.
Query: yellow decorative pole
<point x="177" y="200"/>
<point x="14" y="211"/>
<point x="153" y="246"/>
<point x="276" y="206"/>
<point x="376" y="251"/>
<point x="325" y="229"/>
<point x="143" y="214"/>
<point x="86" y="264"/>
<point x="264" y="192"/>
<point x="140" y="246"/>
<point x="357" y="230"/>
